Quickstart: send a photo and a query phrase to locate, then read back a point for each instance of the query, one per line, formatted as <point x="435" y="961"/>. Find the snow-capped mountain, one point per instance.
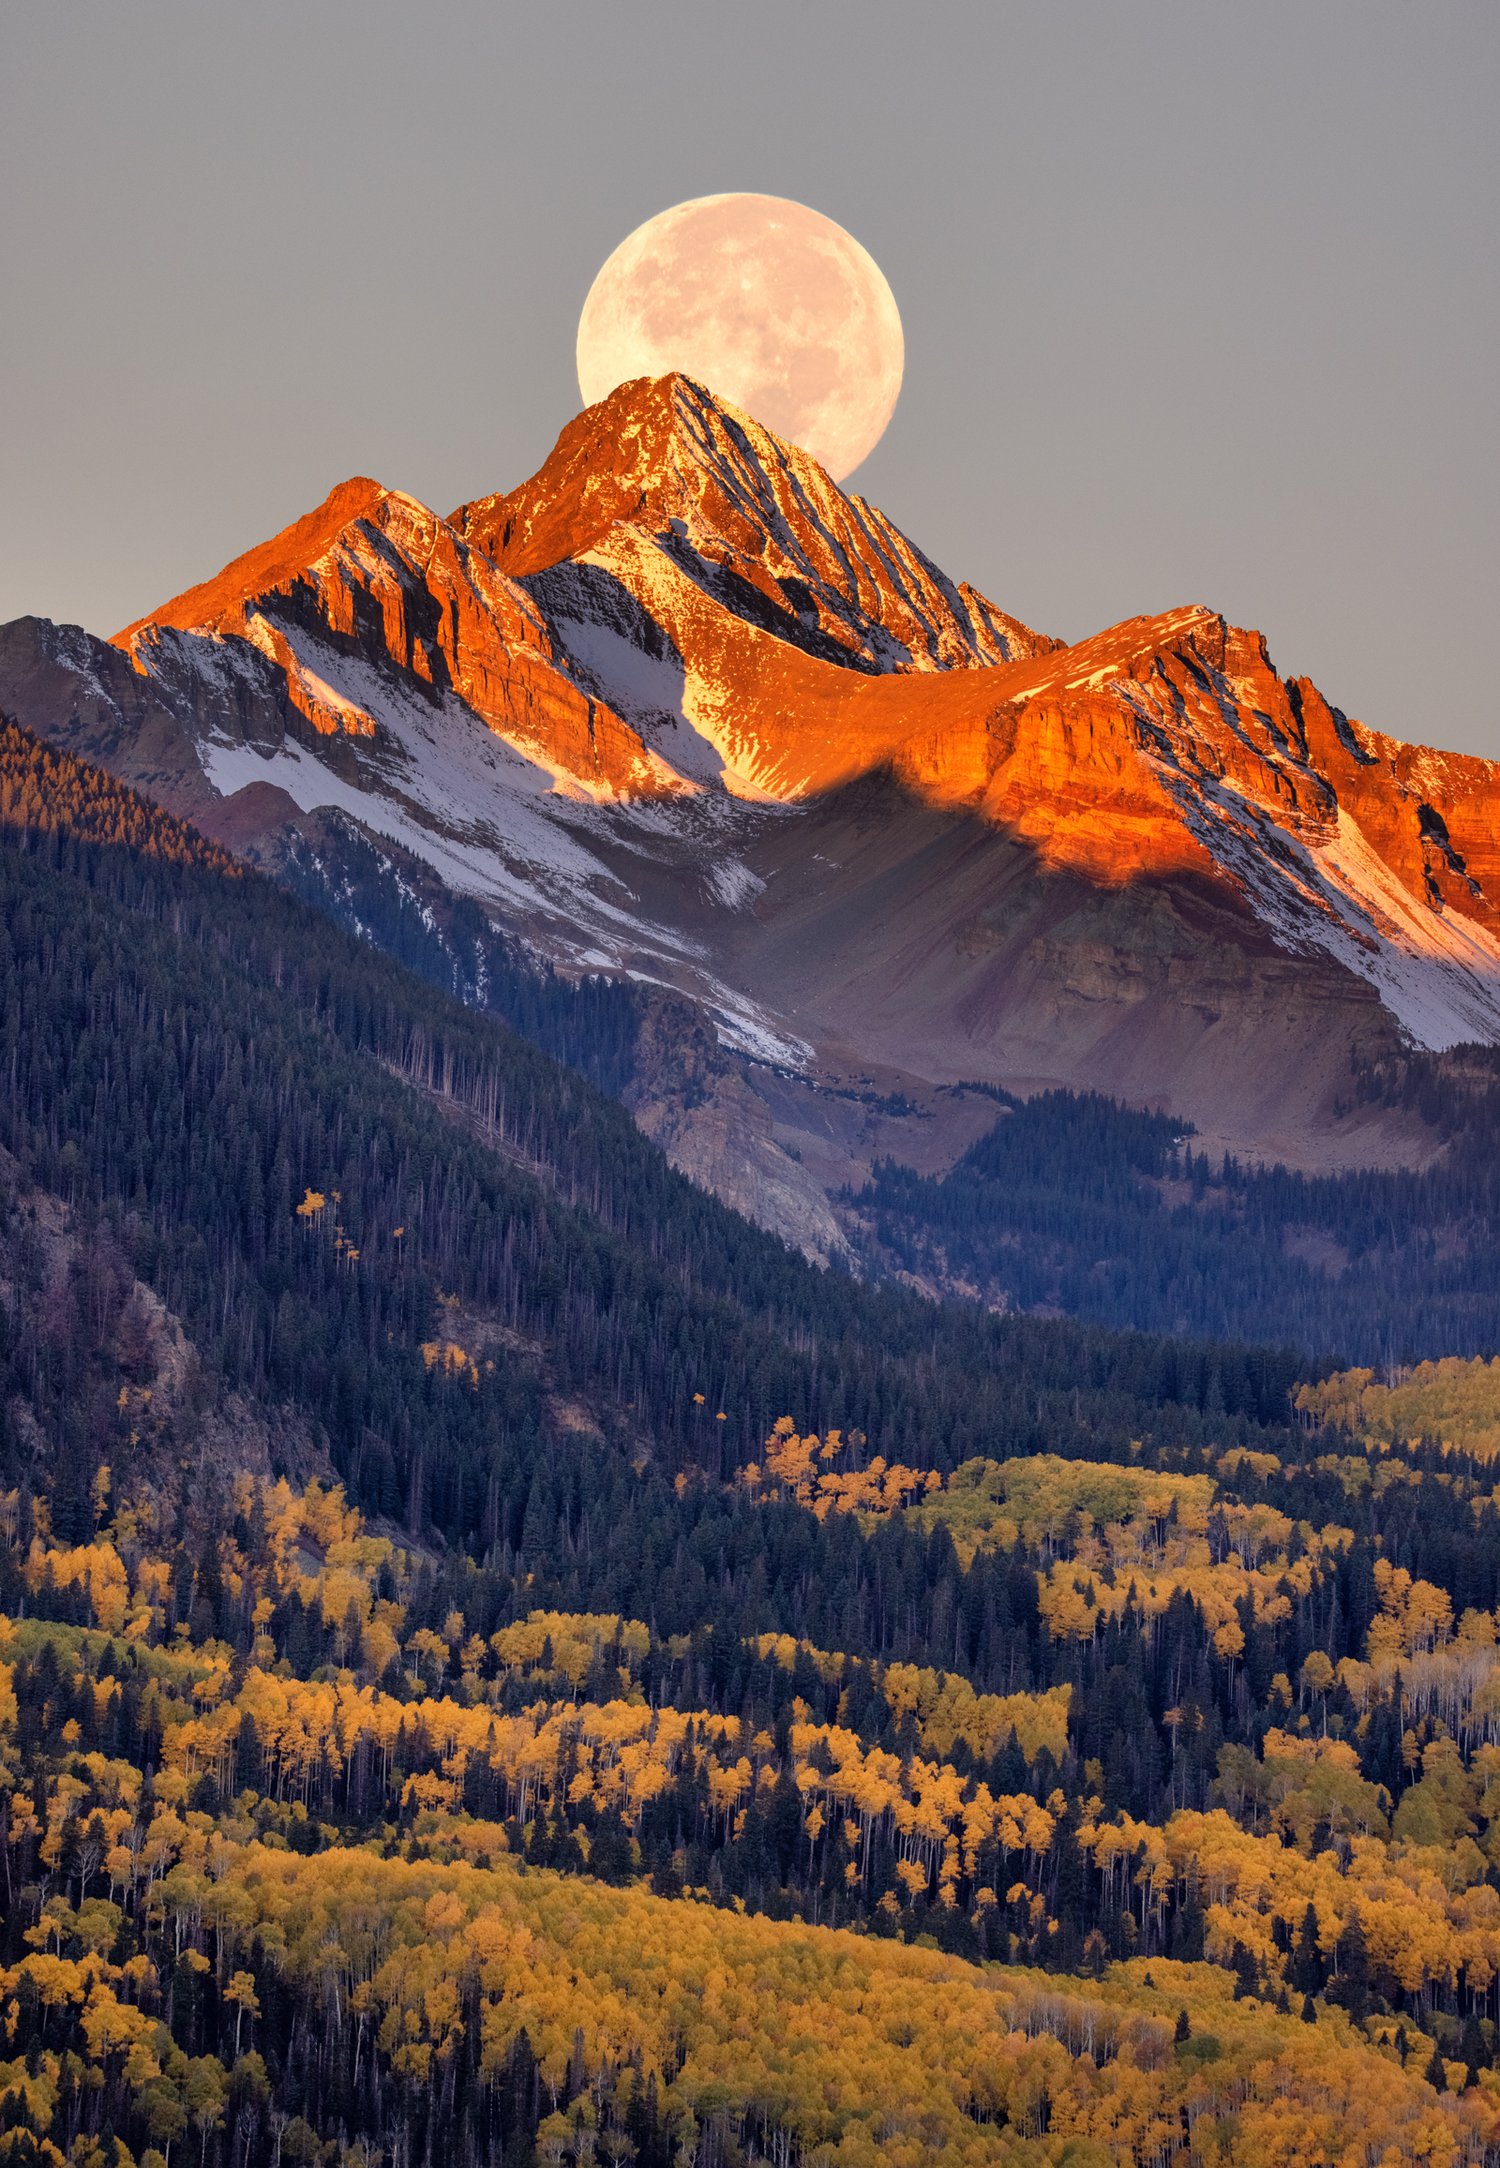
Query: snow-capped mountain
<point x="678" y="707"/>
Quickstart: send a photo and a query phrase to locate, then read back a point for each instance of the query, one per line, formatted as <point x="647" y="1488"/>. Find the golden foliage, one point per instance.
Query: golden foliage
<point x="863" y="2050"/>
<point x="830" y="1474"/>
<point x="945" y="1705"/>
<point x="1454" y="1400"/>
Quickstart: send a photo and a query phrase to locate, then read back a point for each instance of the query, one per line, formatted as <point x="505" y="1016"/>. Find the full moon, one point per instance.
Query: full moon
<point x="767" y="303"/>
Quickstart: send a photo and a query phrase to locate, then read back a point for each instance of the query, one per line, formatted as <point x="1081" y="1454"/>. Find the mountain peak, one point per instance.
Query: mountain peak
<point x="270" y="564"/>
<point x="663" y="464"/>
<point x="657" y="449"/>
<point x="364" y="618"/>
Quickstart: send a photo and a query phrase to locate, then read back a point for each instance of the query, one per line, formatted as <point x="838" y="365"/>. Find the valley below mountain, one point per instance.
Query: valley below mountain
<point x="502" y="1659"/>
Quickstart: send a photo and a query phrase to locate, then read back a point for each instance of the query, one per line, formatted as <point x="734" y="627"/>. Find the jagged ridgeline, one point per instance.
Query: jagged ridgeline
<point x="502" y="1661"/>
<point x="679" y="711"/>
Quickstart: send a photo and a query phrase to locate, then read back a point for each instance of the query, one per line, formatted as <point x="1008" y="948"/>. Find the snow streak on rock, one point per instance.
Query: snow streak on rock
<point x="752" y="521"/>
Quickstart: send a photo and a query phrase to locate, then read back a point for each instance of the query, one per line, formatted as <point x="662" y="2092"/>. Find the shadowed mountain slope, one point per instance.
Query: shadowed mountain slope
<point x="193" y="1054"/>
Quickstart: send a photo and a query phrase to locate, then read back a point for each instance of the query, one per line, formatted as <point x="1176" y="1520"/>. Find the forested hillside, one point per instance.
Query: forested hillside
<point x="1076" y="1203"/>
<point x="388" y="897"/>
<point x="501" y="1661"/>
<point x="191" y="1056"/>
<point x="318" y="1848"/>
<point x="1072" y="1202"/>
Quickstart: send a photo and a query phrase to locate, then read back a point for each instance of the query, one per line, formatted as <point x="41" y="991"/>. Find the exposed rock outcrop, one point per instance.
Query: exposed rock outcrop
<point x="663" y="469"/>
<point x="695" y="1100"/>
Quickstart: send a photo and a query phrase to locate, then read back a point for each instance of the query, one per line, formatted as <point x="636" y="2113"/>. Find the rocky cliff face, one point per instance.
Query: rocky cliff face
<point x="374" y="582"/>
<point x="1169" y="746"/>
<point x="679" y="707"/>
<point x="661" y="477"/>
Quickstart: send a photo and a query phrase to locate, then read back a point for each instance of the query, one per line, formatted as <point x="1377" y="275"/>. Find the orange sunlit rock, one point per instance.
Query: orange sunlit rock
<point x="817" y="645"/>
<point x="374" y="574"/>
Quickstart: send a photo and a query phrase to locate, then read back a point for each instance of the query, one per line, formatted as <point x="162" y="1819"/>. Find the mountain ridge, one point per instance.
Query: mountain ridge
<point x="663" y="457"/>
<point x="680" y="710"/>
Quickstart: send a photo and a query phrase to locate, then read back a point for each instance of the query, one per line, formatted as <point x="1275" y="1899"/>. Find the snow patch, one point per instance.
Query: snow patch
<point x="1435" y="970"/>
<point x="733" y="883"/>
<point x="740" y="1023"/>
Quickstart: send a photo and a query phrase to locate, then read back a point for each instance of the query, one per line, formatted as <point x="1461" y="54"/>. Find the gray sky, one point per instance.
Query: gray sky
<point x="1200" y="300"/>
